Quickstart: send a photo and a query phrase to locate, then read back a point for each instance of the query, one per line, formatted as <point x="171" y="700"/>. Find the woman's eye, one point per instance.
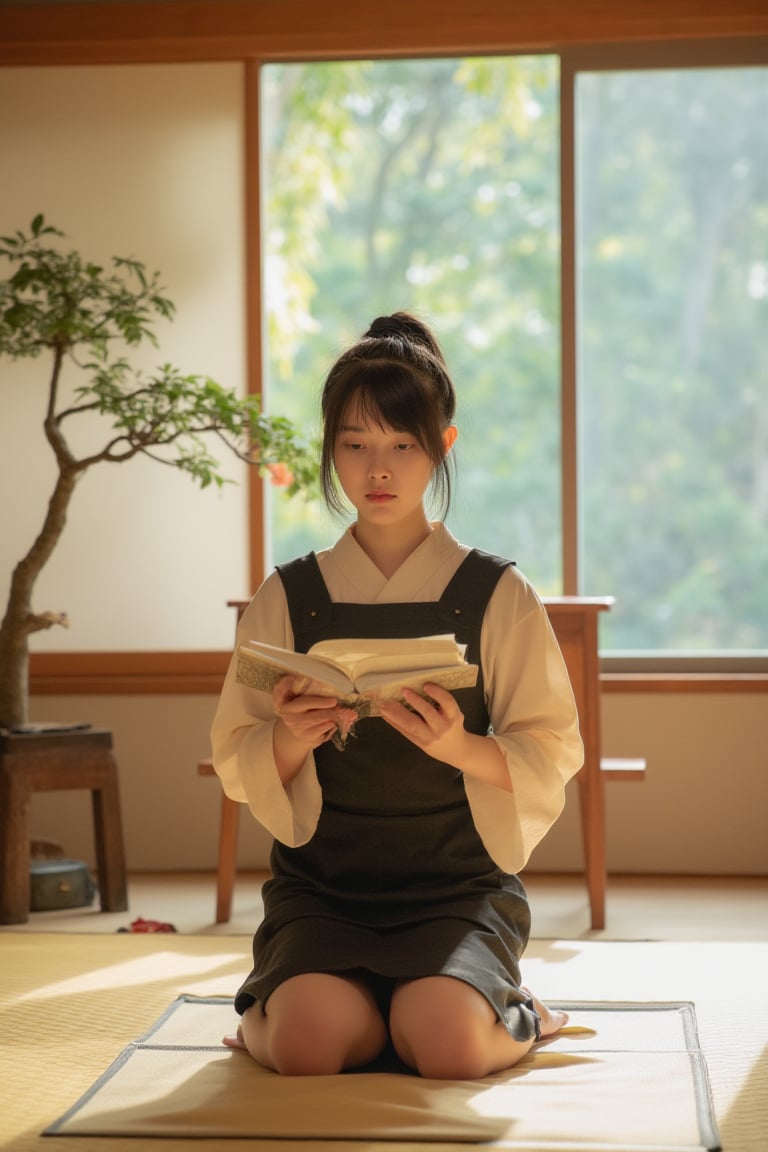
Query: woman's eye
<point x="404" y="447"/>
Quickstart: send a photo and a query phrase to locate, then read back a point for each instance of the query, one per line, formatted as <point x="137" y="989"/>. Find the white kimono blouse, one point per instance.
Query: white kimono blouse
<point x="528" y="694"/>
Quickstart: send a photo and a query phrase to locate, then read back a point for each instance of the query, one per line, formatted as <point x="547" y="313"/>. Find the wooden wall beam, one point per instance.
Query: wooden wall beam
<point x="215" y="30"/>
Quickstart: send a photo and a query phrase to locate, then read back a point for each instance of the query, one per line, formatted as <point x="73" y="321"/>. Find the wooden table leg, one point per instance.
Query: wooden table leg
<point x="108" y="835"/>
<point x="14" y="844"/>
<point x="225" y="876"/>
<point x="592" y="806"/>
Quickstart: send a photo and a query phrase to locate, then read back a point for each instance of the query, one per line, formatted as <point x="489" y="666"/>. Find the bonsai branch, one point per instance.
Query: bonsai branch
<point x="39" y="621"/>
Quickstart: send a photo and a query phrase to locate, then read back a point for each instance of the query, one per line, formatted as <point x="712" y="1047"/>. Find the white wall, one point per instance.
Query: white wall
<point x="701" y="809"/>
<point x="143" y="161"/>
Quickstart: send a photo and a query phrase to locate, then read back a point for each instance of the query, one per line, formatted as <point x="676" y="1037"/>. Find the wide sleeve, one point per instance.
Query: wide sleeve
<point x="534" y="722"/>
<point x="241" y="734"/>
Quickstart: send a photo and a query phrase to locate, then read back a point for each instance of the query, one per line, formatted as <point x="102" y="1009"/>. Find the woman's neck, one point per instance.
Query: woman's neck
<point x="390" y="548"/>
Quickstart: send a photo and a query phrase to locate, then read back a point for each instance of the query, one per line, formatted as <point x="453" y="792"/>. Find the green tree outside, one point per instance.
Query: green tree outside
<point x="432" y="185"/>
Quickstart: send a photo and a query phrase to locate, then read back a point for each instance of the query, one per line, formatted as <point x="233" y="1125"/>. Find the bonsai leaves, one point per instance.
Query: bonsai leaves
<point x="57" y="302"/>
<point x="84" y="318"/>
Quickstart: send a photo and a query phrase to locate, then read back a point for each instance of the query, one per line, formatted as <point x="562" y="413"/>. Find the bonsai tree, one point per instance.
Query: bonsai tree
<point x="79" y="315"/>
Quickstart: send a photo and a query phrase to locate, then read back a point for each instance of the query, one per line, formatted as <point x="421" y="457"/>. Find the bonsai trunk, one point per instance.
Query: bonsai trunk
<point x="14" y="674"/>
<point x="20" y="621"/>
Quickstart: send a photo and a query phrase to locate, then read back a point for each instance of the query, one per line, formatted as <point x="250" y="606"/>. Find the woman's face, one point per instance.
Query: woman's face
<point x="384" y="473"/>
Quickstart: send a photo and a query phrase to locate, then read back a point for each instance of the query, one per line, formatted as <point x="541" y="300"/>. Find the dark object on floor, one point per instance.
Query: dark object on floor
<point x="141" y="925"/>
<point x="56" y="883"/>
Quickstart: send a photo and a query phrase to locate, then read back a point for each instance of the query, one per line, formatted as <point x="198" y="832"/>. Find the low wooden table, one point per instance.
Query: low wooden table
<point x="48" y="762"/>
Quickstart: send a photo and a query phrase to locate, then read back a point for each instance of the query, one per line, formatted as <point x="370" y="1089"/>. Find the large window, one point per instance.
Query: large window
<point x="672" y="334"/>
<point x="586" y="231"/>
<point x="428" y="185"/>
<point x="434" y="185"/>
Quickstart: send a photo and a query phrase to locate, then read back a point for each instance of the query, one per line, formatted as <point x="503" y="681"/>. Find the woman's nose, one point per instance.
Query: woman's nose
<point x="378" y="467"/>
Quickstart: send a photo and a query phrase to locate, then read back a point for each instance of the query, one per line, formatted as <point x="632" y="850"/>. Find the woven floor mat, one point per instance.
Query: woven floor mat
<point x="620" y="1076"/>
<point x="70" y="1004"/>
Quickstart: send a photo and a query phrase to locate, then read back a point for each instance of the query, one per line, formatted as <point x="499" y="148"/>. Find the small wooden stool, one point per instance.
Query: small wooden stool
<point x="49" y="762"/>
<point x="227" y="866"/>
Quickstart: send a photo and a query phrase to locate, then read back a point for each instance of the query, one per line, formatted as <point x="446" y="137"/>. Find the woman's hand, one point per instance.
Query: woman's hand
<point x="304" y="721"/>
<point x="308" y="720"/>
<point x="436" y="725"/>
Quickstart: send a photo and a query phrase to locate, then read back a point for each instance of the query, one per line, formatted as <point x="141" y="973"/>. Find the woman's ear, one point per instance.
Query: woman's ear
<point x="449" y="437"/>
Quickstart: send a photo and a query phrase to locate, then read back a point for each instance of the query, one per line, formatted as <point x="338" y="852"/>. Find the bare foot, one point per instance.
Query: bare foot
<point x="551" y="1019"/>
<point x="235" y="1041"/>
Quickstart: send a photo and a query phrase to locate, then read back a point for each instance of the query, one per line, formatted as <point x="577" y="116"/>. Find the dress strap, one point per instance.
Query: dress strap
<point x="463" y="603"/>
<point x="460" y="609"/>
<point x="309" y="604"/>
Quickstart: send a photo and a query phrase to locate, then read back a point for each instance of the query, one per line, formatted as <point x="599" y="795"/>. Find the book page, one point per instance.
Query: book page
<point x="389" y="684"/>
<point x="361" y="656"/>
<point x="262" y="665"/>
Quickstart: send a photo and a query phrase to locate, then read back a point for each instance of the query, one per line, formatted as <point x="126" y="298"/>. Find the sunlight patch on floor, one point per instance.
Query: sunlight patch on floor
<point x="142" y="970"/>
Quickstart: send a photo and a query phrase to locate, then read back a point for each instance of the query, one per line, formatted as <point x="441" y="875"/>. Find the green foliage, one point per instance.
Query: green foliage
<point x="57" y="302"/>
<point x="440" y="197"/>
<point x="674" y="231"/>
<point x="84" y="317"/>
<point x="433" y="185"/>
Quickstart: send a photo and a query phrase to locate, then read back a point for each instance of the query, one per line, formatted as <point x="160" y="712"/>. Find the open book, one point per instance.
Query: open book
<point x="358" y="672"/>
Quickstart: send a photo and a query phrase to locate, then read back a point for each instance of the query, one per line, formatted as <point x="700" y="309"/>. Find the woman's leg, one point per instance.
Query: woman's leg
<point x="445" y="1029"/>
<point x="313" y="1025"/>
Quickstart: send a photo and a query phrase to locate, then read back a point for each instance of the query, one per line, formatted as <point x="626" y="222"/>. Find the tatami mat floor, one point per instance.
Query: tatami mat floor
<point x="638" y="907"/>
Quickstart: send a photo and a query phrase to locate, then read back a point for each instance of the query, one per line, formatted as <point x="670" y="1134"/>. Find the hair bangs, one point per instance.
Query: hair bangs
<point x="393" y="396"/>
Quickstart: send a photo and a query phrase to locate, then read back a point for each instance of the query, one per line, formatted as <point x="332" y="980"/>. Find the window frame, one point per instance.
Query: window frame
<point x="582" y="33"/>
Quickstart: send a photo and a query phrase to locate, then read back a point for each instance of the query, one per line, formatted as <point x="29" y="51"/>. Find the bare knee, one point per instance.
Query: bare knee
<point x="476" y="1057"/>
<point x="460" y="1056"/>
<point x="463" y="1050"/>
<point x="306" y="1049"/>
<point x="315" y="1025"/>
<point x="445" y="1030"/>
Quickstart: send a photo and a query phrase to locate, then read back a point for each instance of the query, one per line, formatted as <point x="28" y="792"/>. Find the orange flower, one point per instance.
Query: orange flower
<point x="280" y="475"/>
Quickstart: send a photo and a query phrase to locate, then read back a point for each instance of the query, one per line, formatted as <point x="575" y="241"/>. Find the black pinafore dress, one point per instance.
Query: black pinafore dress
<point x="395" y="884"/>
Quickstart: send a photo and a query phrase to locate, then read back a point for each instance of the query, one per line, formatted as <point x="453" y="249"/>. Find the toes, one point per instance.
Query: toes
<point x="235" y="1041"/>
<point x="552" y="1021"/>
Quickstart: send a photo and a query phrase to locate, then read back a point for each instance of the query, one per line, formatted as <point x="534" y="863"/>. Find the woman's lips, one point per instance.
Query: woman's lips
<point x="379" y="497"/>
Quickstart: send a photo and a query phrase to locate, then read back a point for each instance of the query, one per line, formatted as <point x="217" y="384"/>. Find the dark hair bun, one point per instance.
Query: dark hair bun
<point x="404" y="326"/>
<point x="384" y="326"/>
